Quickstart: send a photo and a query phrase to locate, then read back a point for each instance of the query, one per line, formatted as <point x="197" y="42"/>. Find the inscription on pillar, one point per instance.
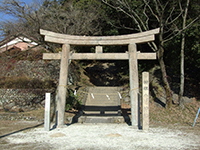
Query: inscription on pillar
<point x="145" y="100"/>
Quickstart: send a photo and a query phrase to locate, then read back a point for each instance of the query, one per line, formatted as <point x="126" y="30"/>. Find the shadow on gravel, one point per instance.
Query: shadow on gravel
<point x="126" y="113"/>
<point x="8" y="134"/>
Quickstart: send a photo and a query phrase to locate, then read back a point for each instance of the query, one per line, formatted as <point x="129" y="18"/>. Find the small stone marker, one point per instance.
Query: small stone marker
<point x="47" y="112"/>
<point x="145" y="100"/>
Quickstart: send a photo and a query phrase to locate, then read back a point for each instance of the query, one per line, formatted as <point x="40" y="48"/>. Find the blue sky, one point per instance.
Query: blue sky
<point x="4" y="17"/>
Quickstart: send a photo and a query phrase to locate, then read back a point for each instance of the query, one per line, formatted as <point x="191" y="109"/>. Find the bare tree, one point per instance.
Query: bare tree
<point x="164" y="14"/>
<point x="182" y="78"/>
<point x="62" y="18"/>
<point x="185" y="25"/>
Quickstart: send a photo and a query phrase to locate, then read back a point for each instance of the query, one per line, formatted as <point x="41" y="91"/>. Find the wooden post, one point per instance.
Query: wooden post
<point x="62" y="87"/>
<point x="47" y="112"/>
<point x="196" y="117"/>
<point x="145" y="100"/>
<point x="134" y="86"/>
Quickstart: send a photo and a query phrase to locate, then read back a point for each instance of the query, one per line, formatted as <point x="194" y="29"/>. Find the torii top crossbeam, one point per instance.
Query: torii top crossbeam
<point x="99" y="40"/>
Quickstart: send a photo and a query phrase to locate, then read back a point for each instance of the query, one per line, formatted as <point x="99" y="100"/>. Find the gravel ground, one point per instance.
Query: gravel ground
<point x="104" y="137"/>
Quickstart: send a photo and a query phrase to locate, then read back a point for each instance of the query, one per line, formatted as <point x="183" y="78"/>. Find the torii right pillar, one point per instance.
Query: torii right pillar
<point x="134" y="84"/>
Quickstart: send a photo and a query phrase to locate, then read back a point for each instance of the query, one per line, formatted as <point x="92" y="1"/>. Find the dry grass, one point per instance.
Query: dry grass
<point x="175" y="116"/>
<point x="25" y="83"/>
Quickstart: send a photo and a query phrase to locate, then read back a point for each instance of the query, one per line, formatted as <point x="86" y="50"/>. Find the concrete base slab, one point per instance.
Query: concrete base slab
<point x="110" y="113"/>
<point x="101" y="119"/>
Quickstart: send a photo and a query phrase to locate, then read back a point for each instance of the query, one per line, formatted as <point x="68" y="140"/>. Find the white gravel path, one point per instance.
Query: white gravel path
<point x="108" y="137"/>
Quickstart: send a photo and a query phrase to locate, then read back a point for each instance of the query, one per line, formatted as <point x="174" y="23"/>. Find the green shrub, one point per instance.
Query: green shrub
<point x="72" y="101"/>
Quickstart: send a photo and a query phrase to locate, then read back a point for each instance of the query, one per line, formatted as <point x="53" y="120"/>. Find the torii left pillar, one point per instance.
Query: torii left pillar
<point x="134" y="85"/>
<point x="62" y="87"/>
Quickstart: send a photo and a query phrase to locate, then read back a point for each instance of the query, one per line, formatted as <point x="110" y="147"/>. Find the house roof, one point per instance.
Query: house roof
<point x="10" y="40"/>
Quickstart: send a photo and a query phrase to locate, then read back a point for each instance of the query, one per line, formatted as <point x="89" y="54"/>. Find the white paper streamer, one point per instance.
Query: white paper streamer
<point x="108" y="97"/>
<point x="75" y="92"/>
<point x="92" y="95"/>
<point x="119" y="95"/>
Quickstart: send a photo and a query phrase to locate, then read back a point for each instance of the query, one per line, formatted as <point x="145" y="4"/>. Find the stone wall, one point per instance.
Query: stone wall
<point x="20" y="100"/>
<point x="17" y="100"/>
<point x="41" y="69"/>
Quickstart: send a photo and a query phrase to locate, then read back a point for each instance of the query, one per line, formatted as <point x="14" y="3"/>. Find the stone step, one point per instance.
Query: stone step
<point x="101" y="108"/>
<point x="102" y="104"/>
<point x="102" y="89"/>
<point x="100" y="119"/>
<point x="99" y="112"/>
<point x="103" y="96"/>
<point x="94" y="113"/>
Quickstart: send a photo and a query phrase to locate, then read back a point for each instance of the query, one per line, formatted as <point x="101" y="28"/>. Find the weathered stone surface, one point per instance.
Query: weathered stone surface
<point x="99" y="40"/>
<point x="41" y="70"/>
<point x="33" y="69"/>
<point x="19" y="100"/>
<point x="9" y="105"/>
<point x="16" y="109"/>
<point x="175" y="98"/>
<point x="30" y="99"/>
<point x="187" y="99"/>
<point x="130" y="40"/>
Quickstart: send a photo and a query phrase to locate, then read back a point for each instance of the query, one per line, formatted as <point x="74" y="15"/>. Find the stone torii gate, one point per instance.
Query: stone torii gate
<point x="98" y="41"/>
